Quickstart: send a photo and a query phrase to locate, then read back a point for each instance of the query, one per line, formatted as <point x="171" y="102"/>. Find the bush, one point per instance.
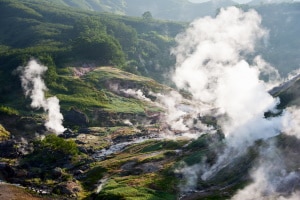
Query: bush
<point x="8" y="110"/>
<point x="53" y="150"/>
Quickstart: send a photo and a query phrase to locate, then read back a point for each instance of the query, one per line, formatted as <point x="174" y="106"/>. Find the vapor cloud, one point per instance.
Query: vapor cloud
<point x="217" y="65"/>
<point x="211" y="65"/>
<point x="138" y="94"/>
<point x="34" y="87"/>
<point x="271" y="179"/>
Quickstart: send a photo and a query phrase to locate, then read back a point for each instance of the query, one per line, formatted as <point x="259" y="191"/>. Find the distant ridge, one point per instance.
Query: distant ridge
<point x="176" y="10"/>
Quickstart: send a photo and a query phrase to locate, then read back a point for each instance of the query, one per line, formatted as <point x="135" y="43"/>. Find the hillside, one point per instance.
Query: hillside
<point x="280" y="50"/>
<point x="102" y="39"/>
<point x="174" y="10"/>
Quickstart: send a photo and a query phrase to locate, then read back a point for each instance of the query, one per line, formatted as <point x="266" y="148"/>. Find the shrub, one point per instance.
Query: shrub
<point x="53" y="150"/>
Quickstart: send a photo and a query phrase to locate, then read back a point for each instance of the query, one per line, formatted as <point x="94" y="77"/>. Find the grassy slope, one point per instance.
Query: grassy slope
<point x="92" y="91"/>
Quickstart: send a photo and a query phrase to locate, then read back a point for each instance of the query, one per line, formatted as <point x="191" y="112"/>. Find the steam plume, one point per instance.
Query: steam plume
<point x="214" y="64"/>
<point x="292" y="121"/>
<point x="34" y="87"/>
<point x="271" y="179"/>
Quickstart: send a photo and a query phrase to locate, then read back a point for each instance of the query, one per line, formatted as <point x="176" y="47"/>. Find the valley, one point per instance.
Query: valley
<point x="97" y="104"/>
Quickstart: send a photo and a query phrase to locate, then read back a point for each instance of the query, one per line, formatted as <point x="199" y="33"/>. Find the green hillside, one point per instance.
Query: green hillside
<point x="176" y="10"/>
<point x="62" y="37"/>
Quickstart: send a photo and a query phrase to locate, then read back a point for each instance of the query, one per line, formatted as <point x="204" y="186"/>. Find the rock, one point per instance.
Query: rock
<point x="128" y="166"/>
<point x="21" y="173"/>
<point x="2" y="165"/>
<point x="83" y="149"/>
<point x="76" y="117"/>
<point x="7" y="170"/>
<point x="79" y="142"/>
<point x="57" y="172"/>
<point x="78" y="172"/>
<point x="69" y="188"/>
<point x="150" y="167"/>
<point x="68" y="133"/>
<point x="68" y="166"/>
<point x="8" y="149"/>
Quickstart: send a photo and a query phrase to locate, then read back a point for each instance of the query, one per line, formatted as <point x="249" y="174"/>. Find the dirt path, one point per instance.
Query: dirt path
<point x="11" y="192"/>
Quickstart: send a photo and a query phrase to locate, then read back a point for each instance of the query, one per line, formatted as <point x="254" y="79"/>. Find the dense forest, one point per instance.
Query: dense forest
<point x="71" y="36"/>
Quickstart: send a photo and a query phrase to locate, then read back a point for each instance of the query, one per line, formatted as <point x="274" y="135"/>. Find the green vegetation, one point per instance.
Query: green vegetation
<point x="68" y="40"/>
<point x="8" y="110"/>
<point x="4" y="134"/>
<point x="93" y="176"/>
<point x="176" y="10"/>
<point x="118" y="189"/>
<point x="52" y="151"/>
<point x="70" y="36"/>
<point x="163" y="145"/>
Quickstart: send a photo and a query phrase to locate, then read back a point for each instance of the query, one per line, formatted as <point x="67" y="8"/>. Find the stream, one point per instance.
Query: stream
<point x="101" y="183"/>
<point x="119" y="147"/>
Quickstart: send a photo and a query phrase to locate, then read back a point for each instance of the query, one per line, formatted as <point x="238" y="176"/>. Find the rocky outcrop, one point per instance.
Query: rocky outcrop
<point x="76" y="117"/>
<point x="8" y="149"/>
<point x="69" y="188"/>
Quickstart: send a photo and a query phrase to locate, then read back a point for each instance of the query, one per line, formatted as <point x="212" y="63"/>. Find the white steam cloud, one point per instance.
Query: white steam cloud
<point x="291" y="125"/>
<point x="271" y="180"/>
<point x="138" y="94"/>
<point x="34" y="87"/>
<point x="212" y="66"/>
<point x="215" y="65"/>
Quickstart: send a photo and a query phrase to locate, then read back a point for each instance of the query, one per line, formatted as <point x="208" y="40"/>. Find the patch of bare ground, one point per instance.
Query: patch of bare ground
<point x="12" y="192"/>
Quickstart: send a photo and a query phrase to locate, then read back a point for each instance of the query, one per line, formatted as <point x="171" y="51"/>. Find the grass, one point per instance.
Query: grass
<point x="156" y="185"/>
<point x="158" y="157"/>
<point x="8" y="110"/>
<point x="93" y="176"/>
<point x="4" y="134"/>
<point x="117" y="188"/>
<point x="194" y="158"/>
<point x="163" y="145"/>
<point x="103" y="75"/>
<point x="124" y="105"/>
<point x="90" y="91"/>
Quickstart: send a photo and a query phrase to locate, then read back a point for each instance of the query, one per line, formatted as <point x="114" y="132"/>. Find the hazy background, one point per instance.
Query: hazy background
<point x="246" y="1"/>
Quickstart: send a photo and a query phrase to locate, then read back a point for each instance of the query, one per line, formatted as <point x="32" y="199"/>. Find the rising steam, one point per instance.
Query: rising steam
<point x="34" y="87"/>
<point x="271" y="179"/>
<point x="216" y="64"/>
<point x="212" y="66"/>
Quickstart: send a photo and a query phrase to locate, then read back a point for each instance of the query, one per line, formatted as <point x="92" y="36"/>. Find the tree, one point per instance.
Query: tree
<point x="147" y="16"/>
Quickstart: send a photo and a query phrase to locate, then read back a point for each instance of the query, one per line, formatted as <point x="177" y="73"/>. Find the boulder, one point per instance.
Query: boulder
<point x="8" y="149"/>
<point x="76" y="117"/>
<point x="69" y="188"/>
<point x="57" y="172"/>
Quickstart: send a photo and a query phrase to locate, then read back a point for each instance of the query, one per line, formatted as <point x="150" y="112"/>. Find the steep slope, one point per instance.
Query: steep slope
<point x="107" y="95"/>
<point x="60" y="37"/>
<point x="288" y="92"/>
